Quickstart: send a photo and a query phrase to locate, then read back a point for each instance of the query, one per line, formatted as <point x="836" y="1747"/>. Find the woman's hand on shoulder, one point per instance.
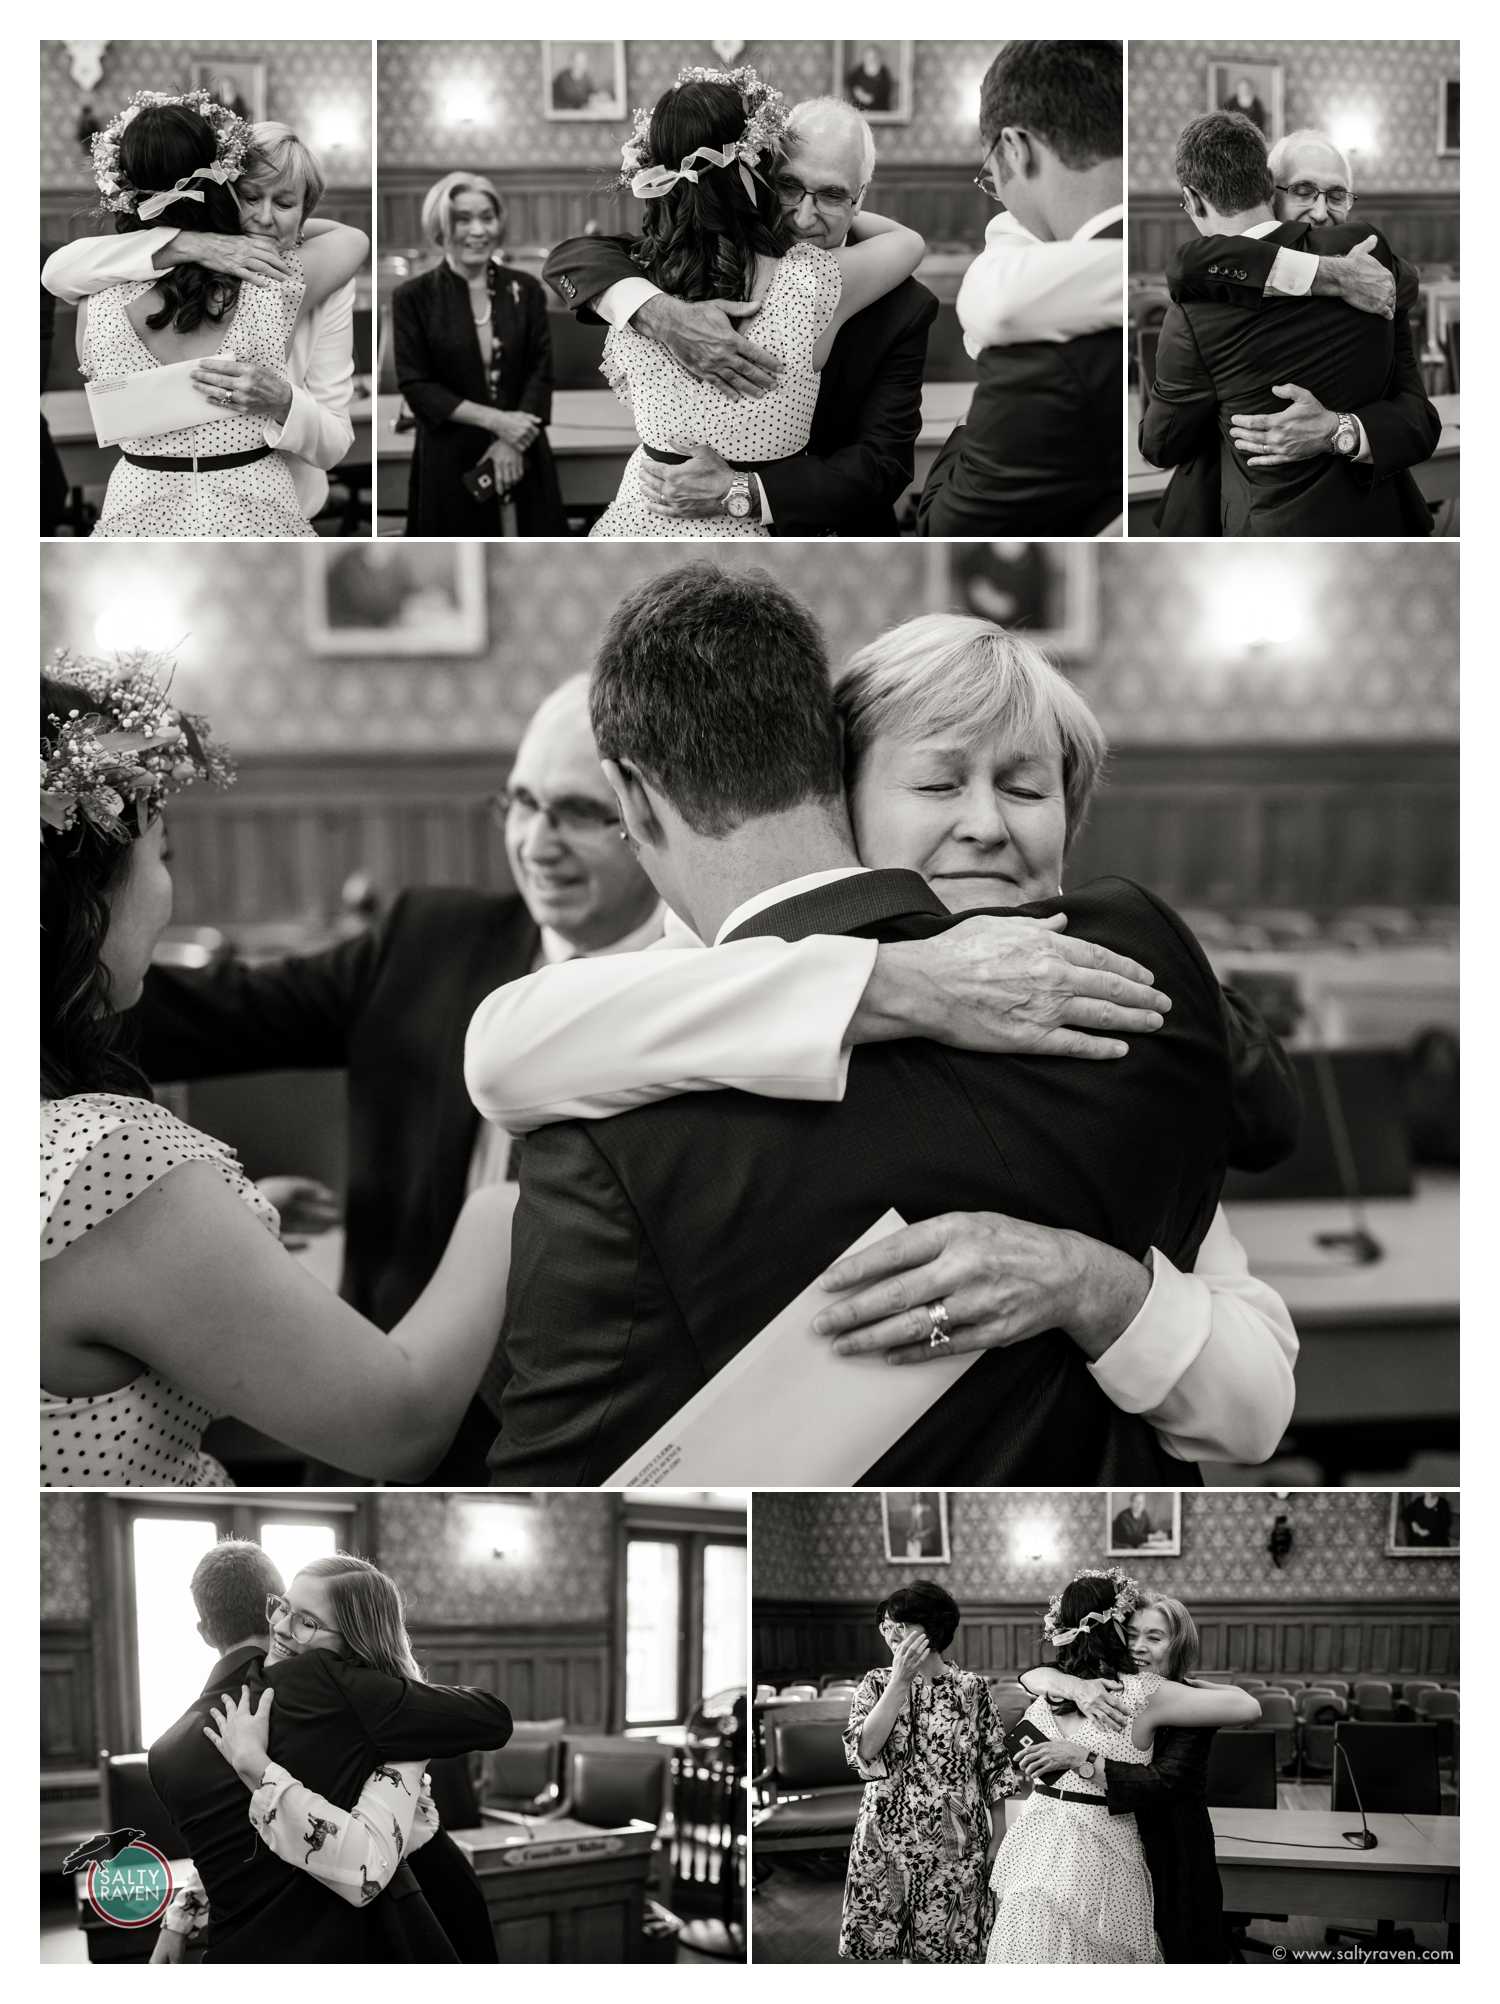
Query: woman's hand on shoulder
<point x="1102" y="1702"/>
<point x="243" y="1733"/>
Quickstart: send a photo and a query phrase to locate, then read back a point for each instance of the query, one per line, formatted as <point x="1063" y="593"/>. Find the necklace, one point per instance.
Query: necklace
<point x="483" y="319"/>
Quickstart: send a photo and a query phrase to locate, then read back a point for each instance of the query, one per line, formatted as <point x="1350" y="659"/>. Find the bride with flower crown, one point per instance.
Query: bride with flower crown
<point x="1071" y="1882"/>
<point x="173" y="161"/>
<point x="712" y="228"/>
<point x="166" y="1297"/>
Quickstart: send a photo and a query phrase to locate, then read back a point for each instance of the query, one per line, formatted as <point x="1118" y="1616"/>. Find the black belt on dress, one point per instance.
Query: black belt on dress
<point x="740" y="465"/>
<point x="1095" y="1801"/>
<point x="217" y="462"/>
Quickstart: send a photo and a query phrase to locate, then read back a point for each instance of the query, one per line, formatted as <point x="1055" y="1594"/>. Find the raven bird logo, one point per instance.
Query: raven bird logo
<point x="100" y="1850"/>
<point x="316" y="1835"/>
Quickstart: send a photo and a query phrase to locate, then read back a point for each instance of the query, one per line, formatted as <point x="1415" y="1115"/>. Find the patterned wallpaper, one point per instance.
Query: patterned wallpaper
<point x="1361" y="643"/>
<point x="320" y="89"/>
<point x="831" y="1547"/>
<point x="65" y="1589"/>
<point x="562" y="1569"/>
<point x="1380" y="96"/>
<point x="501" y="85"/>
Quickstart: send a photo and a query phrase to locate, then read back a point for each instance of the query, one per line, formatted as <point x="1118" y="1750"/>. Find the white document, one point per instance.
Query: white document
<point x="787" y="1410"/>
<point x="149" y="402"/>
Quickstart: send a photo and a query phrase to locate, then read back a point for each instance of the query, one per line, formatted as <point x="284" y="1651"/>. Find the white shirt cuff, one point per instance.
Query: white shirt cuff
<point x="1148" y="1358"/>
<point x="765" y="500"/>
<point x="618" y="302"/>
<point x="1293" y="273"/>
<point x="1364" y="457"/>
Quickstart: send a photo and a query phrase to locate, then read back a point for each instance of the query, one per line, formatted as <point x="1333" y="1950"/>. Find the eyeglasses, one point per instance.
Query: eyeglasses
<point x="827" y="201"/>
<point x="1309" y="191"/>
<point x="303" y="1625"/>
<point x="982" y="179"/>
<point x="574" y="814"/>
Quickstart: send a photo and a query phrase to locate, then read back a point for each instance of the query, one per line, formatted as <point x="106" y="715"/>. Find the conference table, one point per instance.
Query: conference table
<point x="1294" y="1861"/>
<point x="1145" y="484"/>
<point x="592" y="436"/>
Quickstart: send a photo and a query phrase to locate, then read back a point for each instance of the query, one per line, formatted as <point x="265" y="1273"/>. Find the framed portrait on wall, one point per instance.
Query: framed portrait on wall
<point x="1049" y="591"/>
<point x="1447" y="144"/>
<point x="875" y="77"/>
<point x="1423" y="1525"/>
<point x="916" y="1526"/>
<point x="233" y="81"/>
<point x="1251" y="87"/>
<point x="1143" y="1523"/>
<point x="395" y="598"/>
<point x="584" y="80"/>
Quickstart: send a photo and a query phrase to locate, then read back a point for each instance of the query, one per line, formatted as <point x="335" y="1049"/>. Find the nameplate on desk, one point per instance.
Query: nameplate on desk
<point x="788" y="1410"/>
<point x="531" y="1854"/>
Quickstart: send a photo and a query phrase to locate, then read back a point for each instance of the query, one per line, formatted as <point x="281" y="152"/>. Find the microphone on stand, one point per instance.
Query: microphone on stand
<point x="1364" y="1838"/>
<point x="1359" y="1242"/>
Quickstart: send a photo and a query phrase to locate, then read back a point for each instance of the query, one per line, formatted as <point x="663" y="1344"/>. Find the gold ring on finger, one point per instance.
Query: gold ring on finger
<point x="937" y="1315"/>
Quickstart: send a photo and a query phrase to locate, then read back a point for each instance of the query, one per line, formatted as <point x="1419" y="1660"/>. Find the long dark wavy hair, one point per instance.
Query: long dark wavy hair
<point x="700" y="240"/>
<point x="81" y="1036"/>
<point x="161" y="144"/>
<point x="1101" y="1651"/>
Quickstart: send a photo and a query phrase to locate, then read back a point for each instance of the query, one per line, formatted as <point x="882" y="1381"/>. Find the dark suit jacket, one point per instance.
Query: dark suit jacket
<point x="1403" y="428"/>
<point x="439" y="365"/>
<point x="1033" y="458"/>
<point x="859" y="459"/>
<point x="1216" y="357"/>
<point x="650" y="1247"/>
<point x="391" y="1008"/>
<point x="332" y="1725"/>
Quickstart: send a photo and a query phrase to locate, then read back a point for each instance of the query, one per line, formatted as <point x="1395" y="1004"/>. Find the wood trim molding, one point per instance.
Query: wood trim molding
<point x="1422" y="226"/>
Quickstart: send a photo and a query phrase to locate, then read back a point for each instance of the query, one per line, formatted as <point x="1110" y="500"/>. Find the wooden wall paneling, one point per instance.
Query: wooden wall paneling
<point x="69" y="1732"/>
<point x="69" y="213"/>
<point x="541" y="1673"/>
<point x="1423" y="228"/>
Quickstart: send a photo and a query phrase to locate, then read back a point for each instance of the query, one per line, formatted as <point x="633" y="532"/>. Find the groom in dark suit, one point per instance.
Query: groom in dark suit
<point x="332" y="1724"/>
<point x="859" y="459"/>
<point x="1220" y="358"/>
<point x="651" y="1247"/>
<point x="1035" y="456"/>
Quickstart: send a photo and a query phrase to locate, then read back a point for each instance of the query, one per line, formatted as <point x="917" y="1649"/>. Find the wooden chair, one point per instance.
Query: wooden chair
<point x="810" y="1793"/>
<point x="1279" y="1713"/>
<point x="1373" y="1698"/>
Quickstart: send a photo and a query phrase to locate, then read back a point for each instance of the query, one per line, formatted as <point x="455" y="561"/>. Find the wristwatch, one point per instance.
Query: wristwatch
<point x="1090" y="1768"/>
<point x="1346" y="436"/>
<point x="737" y="500"/>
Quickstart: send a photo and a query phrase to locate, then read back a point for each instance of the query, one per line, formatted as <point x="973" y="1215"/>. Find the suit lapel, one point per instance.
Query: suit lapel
<point x="238" y="1662"/>
<point x="851" y="904"/>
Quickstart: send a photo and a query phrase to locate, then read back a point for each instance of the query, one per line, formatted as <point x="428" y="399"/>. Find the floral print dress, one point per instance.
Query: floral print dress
<point x="917" y="1889"/>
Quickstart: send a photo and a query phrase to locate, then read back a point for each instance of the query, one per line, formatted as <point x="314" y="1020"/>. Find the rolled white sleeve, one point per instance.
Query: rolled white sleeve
<point x="625" y="297"/>
<point x="353" y="1852"/>
<point x="318" y="427"/>
<point x="94" y="263"/>
<point x="1209" y="1359"/>
<point x="588" y="1038"/>
<point x="1293" y="273"/>
<point x="1020" y="289"/>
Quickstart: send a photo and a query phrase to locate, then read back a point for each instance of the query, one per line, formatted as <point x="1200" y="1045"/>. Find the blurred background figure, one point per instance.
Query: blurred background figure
<point x="614" y="1628"/>
<point x="312" y="164"/>
<point x="1355" y="138"/>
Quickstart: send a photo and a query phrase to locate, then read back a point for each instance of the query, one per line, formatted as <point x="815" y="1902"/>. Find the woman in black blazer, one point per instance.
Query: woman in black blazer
<point x="474" y="362"/>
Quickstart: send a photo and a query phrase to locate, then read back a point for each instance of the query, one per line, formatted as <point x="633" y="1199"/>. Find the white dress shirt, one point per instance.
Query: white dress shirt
<point x="1207" y="1360"/>
<point x="1021" y="288"/>
<point x="320" y="361"/>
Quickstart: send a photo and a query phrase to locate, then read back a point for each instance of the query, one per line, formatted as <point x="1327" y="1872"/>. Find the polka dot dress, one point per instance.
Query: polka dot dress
<point x="1070" y="1882"/>
<point x="100" y="1150"/>
<point x="255" y="500"/>
<point x="670" y="405"/>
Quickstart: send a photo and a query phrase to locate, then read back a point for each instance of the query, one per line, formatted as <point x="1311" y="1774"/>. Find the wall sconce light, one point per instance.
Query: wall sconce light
<point x="463" y="102"/>
<point x="1033" y="1542"/>
<point x="500" y="1530"/>
<point x="86" y="63"/>
<point x="1282" y="1537"/>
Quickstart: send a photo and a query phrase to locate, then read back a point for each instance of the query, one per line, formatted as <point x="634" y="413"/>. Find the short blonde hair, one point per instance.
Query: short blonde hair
<point x="1182" y="1634"/>
<point x="948" y="671"/>
<point x="437" y="204"/>
<point x="276" y="154"/>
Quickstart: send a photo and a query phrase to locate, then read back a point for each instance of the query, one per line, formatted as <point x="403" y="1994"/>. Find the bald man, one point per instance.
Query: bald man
<point x="391" y="1007"/>
<point x="1304" y="250"/>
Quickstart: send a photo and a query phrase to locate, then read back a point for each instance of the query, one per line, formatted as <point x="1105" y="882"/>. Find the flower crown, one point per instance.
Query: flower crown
<point x="95" y="774"/>
<point x="766" y="119"/>
<point x="231" y="140"/>
<point x="1127" y="1593"/>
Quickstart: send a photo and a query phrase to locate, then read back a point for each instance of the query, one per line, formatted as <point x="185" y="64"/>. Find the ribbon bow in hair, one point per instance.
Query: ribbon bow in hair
<point x="653" y="181"/>
<point x="152" y="205"/>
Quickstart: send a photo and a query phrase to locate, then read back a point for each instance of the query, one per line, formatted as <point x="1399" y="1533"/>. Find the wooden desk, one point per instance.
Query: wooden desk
<point x="1266" y="1867"/>
<point x="88" y="464"/>
<point x="559" y="1890"/>
<point x="592" y="436"/>
<point x="1145" y="484"/>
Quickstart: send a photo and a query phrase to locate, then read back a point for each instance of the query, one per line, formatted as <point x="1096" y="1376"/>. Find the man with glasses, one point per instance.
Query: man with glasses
<point x="860" y="457"/>
<point x="390" y="1008"/>
<point x="1034" y="457"/>
<point x="1313" y="412"/>
<point x="1312" y="184"/>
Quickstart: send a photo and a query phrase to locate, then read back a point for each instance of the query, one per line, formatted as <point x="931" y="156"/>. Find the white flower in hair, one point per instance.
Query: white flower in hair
<point x="1127" y="1594"/>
